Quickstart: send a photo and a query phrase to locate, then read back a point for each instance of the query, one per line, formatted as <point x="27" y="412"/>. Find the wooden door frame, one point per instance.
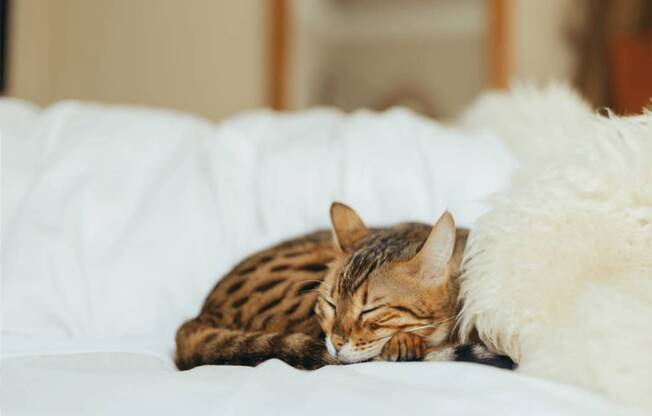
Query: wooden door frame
<point x="278" y="23"/>
<point x="499" y="43"/>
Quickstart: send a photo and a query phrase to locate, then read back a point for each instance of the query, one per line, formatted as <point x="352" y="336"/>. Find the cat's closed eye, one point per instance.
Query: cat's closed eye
<point x="329" y="303"/>
<point x="369" y="310"/>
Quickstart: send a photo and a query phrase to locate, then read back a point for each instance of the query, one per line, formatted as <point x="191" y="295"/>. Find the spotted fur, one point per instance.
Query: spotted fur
<point x="353" y="294"/>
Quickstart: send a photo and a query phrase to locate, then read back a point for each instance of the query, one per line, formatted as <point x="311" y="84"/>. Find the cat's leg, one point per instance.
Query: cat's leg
<point x="444" y="352"/>
<point x="199" y="343"/>
<point x="404" y="347"/>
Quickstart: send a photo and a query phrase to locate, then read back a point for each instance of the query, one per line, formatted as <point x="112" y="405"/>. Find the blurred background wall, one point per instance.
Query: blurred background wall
<point x="217" y="57"/>
<point x="202" y="56"/>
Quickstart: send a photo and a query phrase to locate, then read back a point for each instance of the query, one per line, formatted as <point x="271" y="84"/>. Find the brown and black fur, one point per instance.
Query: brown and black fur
<point x="274" y="304"/>
<point x="264" y="308"/>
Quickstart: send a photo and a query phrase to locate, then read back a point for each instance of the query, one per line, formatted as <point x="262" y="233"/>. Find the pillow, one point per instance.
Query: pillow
<point x="128" y="216"/>
<point x="558" y="274"/>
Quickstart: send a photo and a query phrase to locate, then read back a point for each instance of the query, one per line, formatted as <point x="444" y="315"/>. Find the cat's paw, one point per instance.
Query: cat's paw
<point x="404" y="347"/>
<point x="441" y="353"/>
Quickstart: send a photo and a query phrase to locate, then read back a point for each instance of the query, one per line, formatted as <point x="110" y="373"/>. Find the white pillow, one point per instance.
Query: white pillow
<point x="126" y="216"/>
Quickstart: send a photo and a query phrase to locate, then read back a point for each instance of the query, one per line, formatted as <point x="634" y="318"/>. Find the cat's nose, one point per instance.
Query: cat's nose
<point x="337" y="341"/>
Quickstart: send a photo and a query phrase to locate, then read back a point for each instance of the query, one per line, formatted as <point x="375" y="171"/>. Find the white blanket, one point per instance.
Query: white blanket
<point x="135" y="384"/>
<point x="569" y="247"/>
<point x="117" y="221"/>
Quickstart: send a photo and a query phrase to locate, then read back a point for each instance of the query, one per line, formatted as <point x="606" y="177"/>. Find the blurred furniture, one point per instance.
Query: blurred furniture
<point x="631" y="72"/>
<point x="433" y="56"/>
<point x="615" y="54"/>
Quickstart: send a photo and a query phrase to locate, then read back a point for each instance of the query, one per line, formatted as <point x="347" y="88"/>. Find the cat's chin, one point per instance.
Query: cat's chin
<point x="347" y="360"/>
<point x="350" y="356"/>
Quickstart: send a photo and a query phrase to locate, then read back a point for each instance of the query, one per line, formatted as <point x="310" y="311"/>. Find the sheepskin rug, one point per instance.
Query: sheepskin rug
<point x="558" y="274"/>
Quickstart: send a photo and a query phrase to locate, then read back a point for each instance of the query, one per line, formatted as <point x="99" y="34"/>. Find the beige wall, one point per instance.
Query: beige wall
<point x="208" y="56"/>
<point x="541" y="51"/>
<point x="202" y="56"/>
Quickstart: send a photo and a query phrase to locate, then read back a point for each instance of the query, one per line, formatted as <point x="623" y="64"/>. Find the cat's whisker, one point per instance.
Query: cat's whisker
<point x="420" y="327"/>
<point x="430" y="325"/>
<point x="409" y="330"/>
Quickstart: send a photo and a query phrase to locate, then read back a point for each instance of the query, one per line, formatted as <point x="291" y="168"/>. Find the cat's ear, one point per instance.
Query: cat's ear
<point x="432" y="259"/>
<point x="348" y="228"/>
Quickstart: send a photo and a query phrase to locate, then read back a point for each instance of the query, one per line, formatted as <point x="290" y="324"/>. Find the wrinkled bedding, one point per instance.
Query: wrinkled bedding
<point x="131" y="383"/>
<point x="116" y="221"/>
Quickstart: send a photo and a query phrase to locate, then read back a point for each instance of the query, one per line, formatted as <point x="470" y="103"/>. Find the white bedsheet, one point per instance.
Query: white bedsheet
<point x="116" y="221"/>
<point x="136" y="384"/>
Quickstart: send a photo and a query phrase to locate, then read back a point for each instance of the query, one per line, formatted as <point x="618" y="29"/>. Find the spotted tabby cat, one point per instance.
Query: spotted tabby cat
<point x="352" y="295"/>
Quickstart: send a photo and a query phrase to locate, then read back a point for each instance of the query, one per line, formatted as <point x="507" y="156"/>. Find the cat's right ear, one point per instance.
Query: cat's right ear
<point x="348" y="228"/>
<point x="431" y="262"/>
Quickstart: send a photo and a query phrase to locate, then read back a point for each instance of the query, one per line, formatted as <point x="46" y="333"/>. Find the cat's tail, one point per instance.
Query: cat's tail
<point x="471" y="353"/>
<point x="199" y="343"/>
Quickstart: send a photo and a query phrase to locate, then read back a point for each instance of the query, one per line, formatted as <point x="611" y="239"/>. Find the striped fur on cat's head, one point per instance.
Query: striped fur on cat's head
<point x="386" y="281"/>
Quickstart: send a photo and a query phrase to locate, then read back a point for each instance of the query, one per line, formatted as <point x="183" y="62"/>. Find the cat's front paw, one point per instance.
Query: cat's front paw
<point x="404" y="347"/>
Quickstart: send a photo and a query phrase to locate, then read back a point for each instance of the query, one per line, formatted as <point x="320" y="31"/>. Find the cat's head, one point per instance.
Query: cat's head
<point x="386" y="281"/>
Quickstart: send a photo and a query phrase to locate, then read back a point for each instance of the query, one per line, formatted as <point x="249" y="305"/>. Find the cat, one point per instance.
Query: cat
<point x="354" y="294"/>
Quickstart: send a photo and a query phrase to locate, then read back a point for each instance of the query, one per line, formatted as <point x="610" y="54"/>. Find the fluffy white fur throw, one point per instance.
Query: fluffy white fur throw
<point x="559" y="273"/>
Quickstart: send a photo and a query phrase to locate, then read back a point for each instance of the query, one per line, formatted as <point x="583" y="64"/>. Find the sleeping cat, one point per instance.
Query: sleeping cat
<point x="353" y="295"/>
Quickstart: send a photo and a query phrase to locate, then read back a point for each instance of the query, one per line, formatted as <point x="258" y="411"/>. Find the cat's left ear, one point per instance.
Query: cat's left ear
<point x="348" y="227"/>
<point x="431" y="261"/>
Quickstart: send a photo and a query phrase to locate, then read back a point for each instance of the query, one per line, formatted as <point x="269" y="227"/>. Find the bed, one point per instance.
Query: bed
<point x="116" y="221"/>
